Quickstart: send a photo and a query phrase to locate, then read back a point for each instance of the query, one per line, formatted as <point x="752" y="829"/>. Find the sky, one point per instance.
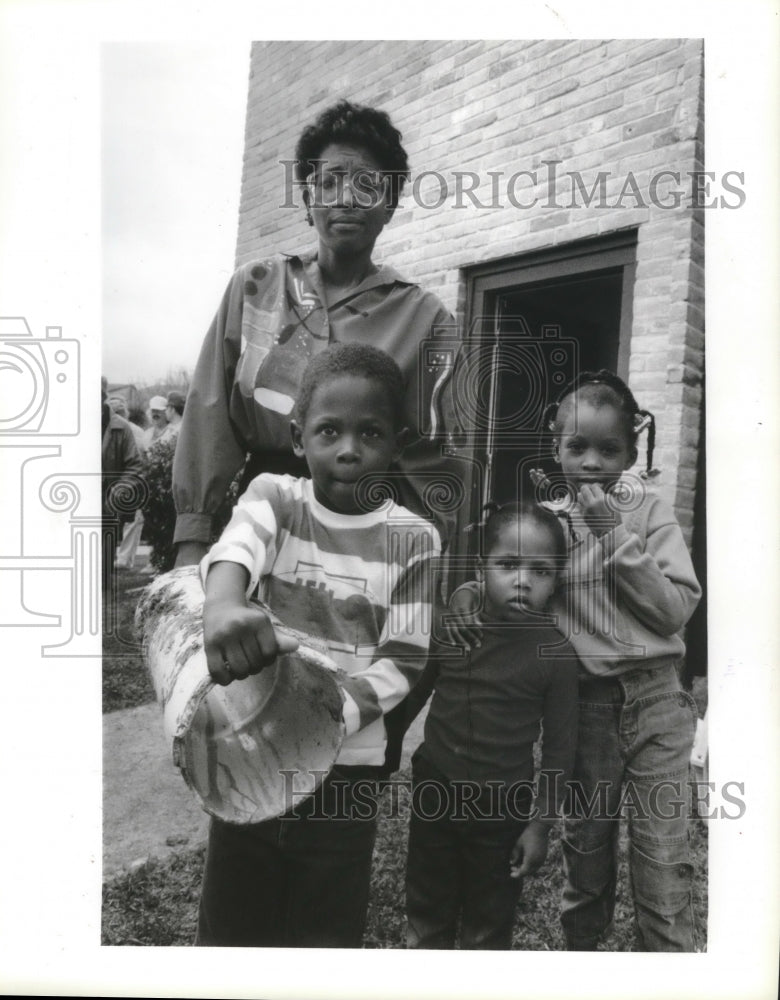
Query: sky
<point x="171" y="155"/>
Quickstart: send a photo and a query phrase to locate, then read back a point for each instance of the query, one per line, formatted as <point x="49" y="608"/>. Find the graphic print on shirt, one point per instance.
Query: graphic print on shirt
<point x="276" y="341"/>
<point x="305" y="297"/>
<point x="260" y="322"/>
<point x="310" y="598"/>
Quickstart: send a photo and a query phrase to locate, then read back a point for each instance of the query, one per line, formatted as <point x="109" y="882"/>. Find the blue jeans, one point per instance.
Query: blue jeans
<point x="634" y="745"/>
<point x="298" y="881"/>
<point x="457" y="875"/>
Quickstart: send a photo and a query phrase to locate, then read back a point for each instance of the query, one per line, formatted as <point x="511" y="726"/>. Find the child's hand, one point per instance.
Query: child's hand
<point x="465" y="629"/>
<point x="530" y="851"/>
<point x="240" y="640"/>
<point x="599" y="516"/>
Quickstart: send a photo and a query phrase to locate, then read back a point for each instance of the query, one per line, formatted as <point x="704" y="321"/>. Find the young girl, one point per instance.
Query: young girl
<point x="630" y="589"/>
<point x="476" y="829"/>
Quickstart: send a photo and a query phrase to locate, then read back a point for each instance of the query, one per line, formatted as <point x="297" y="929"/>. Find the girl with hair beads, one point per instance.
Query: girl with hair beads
<point x="629" y="591"/>
<point x="478" y="823"/>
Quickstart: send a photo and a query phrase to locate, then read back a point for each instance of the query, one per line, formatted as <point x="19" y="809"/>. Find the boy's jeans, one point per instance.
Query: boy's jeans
<point x="634" y="744"/>
<point x="298" y="881"/>
<point x="458" y="869"/>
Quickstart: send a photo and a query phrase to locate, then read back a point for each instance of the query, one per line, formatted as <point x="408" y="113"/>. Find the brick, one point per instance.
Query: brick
<point x="662" y="47"/>
<point x="650" y="123"/>
<point x="691" y="458"/>
<point x="550" y="221"/>
<point x="656" y="84"/>
<point x="566" y="52"/>
<point x="654" y="267"/>
<point x="565" y="86"/>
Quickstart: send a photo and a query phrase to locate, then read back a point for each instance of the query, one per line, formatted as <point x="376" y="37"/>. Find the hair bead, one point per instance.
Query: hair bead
<point x="641" y="419"/>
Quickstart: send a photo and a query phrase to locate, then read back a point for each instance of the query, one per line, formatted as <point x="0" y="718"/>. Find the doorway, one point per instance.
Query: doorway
<point x="534" y="322"/>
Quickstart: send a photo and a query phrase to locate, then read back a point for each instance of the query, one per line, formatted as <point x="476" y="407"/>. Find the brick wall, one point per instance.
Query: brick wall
<point x="627" y="108"/>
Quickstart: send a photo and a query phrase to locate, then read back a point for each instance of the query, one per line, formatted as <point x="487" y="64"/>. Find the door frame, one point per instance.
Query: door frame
<point x="485" y="283"/>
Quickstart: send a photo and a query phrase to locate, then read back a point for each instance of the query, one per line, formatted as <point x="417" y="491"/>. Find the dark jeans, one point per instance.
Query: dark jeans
<point x="298" y="881"/>
<point x="457" y="875"/>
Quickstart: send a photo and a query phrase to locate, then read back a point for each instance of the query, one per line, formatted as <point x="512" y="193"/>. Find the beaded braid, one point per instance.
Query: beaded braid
<point x="486" y="511"/>
<point x="641" y="419"/>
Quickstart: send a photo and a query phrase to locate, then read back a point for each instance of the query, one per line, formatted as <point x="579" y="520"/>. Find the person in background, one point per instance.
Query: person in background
<point x="131" y="538"/>
<point x="120" y="464"/>
<point x="119" y="406"/>
<point x="158" y="419"/>
<point x="174" y="408"/>
<point x="137" y="417"/>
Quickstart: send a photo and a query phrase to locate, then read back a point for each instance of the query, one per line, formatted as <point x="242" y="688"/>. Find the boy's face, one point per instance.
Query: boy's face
<point x="349" y="432"/>
<point x="520" y="571"/>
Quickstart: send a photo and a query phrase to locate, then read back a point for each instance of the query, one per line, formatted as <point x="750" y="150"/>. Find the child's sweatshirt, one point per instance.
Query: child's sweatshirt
<point x="627" y="595"/>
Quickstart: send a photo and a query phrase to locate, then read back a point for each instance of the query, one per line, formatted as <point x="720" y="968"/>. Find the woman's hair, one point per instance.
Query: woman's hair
<point x="604" y="388"/>
<point x="495" y="516"/>
<point x="358" y="125"/>
<point x="352" y="359"/>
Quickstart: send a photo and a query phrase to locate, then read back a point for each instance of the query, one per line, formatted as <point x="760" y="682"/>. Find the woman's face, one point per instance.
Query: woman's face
<point x="348" y="200"/>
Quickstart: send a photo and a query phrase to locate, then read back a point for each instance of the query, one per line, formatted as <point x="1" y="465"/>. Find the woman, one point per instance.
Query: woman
<point x="278" y="312"/>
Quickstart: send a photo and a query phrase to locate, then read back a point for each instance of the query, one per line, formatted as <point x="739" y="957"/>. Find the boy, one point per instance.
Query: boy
<point x="333" y="558"/>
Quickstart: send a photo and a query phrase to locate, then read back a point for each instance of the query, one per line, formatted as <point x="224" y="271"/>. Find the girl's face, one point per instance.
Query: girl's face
<point x="592" y="446"/>
<point x="520" y="571"/>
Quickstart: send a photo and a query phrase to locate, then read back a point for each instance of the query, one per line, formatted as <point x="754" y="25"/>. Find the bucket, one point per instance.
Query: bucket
<point x="253" y="749"/>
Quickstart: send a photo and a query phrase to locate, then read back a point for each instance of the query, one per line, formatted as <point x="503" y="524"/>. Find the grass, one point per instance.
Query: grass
<point x="156" y="904"/>
<point x="126" y="682"/>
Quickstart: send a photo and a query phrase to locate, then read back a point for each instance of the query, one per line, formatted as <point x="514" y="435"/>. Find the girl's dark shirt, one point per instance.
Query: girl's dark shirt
<point x="489" y="705"/>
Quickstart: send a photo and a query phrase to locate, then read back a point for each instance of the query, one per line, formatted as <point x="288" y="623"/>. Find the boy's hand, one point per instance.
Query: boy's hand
<point x="530" y="851"/>
<point x="240" y="640"/>
<point x="465" y="629"/>
<point x="599" y="516"/>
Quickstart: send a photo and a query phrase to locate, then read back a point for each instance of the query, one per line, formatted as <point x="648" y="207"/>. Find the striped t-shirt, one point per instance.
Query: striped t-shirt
<point x="363" y="583"/>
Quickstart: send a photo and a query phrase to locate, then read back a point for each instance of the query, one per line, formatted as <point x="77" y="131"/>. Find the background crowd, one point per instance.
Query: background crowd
<point x="138" y="443"/>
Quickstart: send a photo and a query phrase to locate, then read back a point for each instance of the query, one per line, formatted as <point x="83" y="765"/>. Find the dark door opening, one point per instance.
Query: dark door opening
<point x="533" y="324"/>
<point x="585" y="312"/>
